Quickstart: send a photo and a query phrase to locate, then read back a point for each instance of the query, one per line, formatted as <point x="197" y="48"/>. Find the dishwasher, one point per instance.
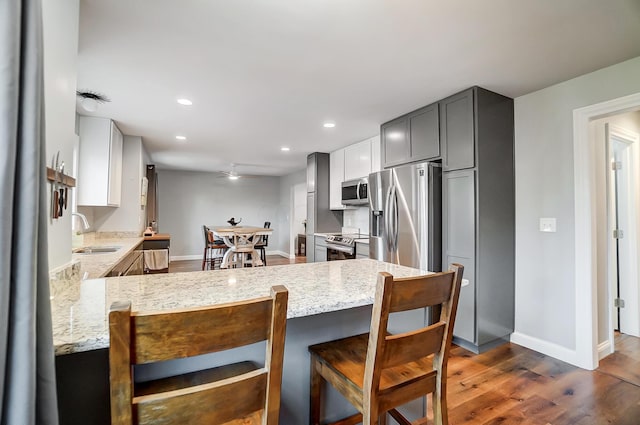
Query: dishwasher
<point x="132" y="264"/>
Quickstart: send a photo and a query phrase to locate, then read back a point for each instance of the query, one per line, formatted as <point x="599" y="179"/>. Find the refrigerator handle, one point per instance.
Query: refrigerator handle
<point x="387" y="219"/>
<point x="394" y="217"/>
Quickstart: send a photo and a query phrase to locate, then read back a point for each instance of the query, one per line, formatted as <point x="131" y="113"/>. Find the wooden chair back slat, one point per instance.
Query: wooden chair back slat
<point x="199" y="331"/>
<point x="411" y="346"/>
<point x="237" y="394"/>
<point x="385" y="351"/>
<point x="214" y="403"/>
<point x="411" y="293"/>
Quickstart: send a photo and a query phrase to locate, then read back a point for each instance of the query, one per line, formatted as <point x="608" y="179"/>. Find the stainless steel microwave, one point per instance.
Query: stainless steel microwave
<point x="354" y="192"/>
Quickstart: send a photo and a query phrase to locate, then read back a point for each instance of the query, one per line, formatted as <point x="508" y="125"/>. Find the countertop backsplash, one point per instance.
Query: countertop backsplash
<point x="357" y="218"/>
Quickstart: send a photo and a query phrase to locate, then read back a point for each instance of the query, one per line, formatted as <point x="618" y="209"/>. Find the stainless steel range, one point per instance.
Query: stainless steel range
<point x="340" y="247"/>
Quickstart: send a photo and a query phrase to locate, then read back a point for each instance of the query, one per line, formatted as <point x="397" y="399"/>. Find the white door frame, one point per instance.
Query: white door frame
<point x="585" y="224"/>
<point x="630" y="139"/>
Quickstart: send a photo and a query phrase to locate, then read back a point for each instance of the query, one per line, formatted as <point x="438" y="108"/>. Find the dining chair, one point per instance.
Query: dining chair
<point x="379" y="371"/>
<point x="239" y="393"/>
<point x="262" y="243"/>
<point x="213" y="250"/>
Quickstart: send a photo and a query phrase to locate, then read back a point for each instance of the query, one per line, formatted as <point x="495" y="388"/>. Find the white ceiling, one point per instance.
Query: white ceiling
<point x="266" y="74"/>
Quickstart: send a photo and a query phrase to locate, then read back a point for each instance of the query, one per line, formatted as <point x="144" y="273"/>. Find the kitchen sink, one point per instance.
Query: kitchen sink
<point x="96" y="249"/>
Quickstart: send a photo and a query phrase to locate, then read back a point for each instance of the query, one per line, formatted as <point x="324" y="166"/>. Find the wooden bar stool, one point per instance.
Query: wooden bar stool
<point x="377" y="372"/>
<point x="241" y="393"/>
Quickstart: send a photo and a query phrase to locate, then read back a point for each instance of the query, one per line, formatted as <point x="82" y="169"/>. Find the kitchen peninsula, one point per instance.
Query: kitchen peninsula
<point x="327" y="301"/>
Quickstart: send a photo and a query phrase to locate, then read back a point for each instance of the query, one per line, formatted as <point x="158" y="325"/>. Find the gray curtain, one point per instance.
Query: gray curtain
<point x="27" y="370"/>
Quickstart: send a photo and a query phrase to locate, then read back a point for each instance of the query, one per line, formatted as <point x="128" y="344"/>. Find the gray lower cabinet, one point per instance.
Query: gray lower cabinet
<point x="478" y="216"/>
<point x="412" y="137"/>
<point x="458" y="237"/>
<point x="320" y="249"/>
<point x="362" y="250"/>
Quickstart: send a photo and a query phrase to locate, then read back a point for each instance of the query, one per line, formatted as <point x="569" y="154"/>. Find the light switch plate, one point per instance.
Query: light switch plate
<point x="548" y="224"/>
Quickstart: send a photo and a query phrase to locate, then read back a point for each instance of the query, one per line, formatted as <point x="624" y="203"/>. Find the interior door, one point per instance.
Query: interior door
<point x="623" y="231"/>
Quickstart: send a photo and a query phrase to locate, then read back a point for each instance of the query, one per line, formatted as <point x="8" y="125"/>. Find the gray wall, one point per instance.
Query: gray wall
<point x="545" y="276"/>
<point x="187" y="200"/>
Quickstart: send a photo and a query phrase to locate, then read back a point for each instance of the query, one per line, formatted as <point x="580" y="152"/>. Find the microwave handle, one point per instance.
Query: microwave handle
<point x="358" y="191"/>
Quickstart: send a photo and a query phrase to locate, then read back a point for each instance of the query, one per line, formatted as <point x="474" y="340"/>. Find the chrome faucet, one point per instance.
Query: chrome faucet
<point x="83" y="218"/>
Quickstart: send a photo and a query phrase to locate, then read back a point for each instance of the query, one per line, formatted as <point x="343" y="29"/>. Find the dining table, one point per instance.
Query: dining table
<point x="241" y="241"/>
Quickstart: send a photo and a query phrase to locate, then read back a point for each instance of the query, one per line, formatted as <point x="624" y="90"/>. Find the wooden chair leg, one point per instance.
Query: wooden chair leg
<point x="314" y="395"/>
<point x="204" y="257"/>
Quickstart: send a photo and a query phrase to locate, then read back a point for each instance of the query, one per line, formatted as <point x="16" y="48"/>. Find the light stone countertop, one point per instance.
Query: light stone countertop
<point x="80" y="311"/>
<point x="100" y="264"/>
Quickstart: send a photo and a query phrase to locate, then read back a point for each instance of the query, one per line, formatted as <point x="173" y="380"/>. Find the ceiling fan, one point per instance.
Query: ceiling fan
<point x="233" y="174"/>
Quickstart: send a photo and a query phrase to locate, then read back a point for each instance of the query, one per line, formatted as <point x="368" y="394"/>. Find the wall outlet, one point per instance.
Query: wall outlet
<point x="548" y="225"/>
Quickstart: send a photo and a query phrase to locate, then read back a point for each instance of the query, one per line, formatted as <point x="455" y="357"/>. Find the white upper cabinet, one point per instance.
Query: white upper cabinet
<point x="353" y="162"/>
<point x="357" y="160"/>
<point x="99" y="163"/>
<point x="336" y="177"/>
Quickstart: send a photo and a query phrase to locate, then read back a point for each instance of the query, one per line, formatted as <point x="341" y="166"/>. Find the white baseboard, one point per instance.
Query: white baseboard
<point x="604" y="349"/>
<point x="546" y="347"/>
<point x="199" y="256"/>
<point x="186" y="257"/>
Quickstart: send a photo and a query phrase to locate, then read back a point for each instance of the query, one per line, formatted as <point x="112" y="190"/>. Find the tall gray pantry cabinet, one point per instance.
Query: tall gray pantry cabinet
<point x="319" y="217"/>
<point x="478" y="212"/>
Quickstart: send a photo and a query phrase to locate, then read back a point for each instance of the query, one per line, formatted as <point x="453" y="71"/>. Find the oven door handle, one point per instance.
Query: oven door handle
<point x="345" y="249"/>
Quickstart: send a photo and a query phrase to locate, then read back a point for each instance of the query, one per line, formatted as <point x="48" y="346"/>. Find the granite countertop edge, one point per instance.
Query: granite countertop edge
<point x="80" y="311"/>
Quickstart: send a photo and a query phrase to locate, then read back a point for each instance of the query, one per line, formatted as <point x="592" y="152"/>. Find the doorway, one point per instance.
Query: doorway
<point x="622" y="194"/>
<point x="590" y="301"/>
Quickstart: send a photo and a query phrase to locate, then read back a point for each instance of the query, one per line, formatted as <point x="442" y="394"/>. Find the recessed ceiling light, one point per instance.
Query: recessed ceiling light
<point x="285" y="149"/>
<point x="234" y="177"/>
<point x="185" y="102"/>
<point x="181" y="137"/>
<point x="329" y="125"/>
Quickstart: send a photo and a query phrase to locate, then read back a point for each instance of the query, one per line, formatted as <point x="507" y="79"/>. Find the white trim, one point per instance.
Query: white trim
<point x="545" y="347"/>
<point x="604" y="349"/>
<point x="586" y="318"/>
<point x="186" y="257"/>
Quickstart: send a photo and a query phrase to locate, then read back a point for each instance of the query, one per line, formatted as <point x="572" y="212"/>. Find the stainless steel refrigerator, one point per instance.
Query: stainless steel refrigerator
<point x="405" y="205"/>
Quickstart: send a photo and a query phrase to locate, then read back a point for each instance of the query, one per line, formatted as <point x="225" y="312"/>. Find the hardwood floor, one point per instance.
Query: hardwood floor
<point x="512" y="385"/>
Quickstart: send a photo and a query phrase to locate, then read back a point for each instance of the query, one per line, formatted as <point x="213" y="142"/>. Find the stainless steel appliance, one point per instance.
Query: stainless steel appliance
<point x="405" y="216"/>
<point x="340" y="247"/>
<point x="354" y="192"/>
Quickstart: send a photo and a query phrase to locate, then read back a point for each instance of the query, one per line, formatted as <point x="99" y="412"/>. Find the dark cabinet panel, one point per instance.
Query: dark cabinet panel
<point x="424" y="133"/>
<point x="396" y="147"/>
<point x="479" y="214"/>
<point x="411" y="138"/>
<point x="312" y="171"/>
<point x="458" y="243"/>
<point x="457" y="131"/>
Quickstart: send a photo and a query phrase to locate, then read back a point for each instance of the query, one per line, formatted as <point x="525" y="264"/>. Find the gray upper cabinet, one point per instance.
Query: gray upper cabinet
<point x="396" y="147"/>
<point x="312" y="171"/>
<point x="425" y="135"/>
<point x="457" y="131"/>
<point x="411" y="138"/>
